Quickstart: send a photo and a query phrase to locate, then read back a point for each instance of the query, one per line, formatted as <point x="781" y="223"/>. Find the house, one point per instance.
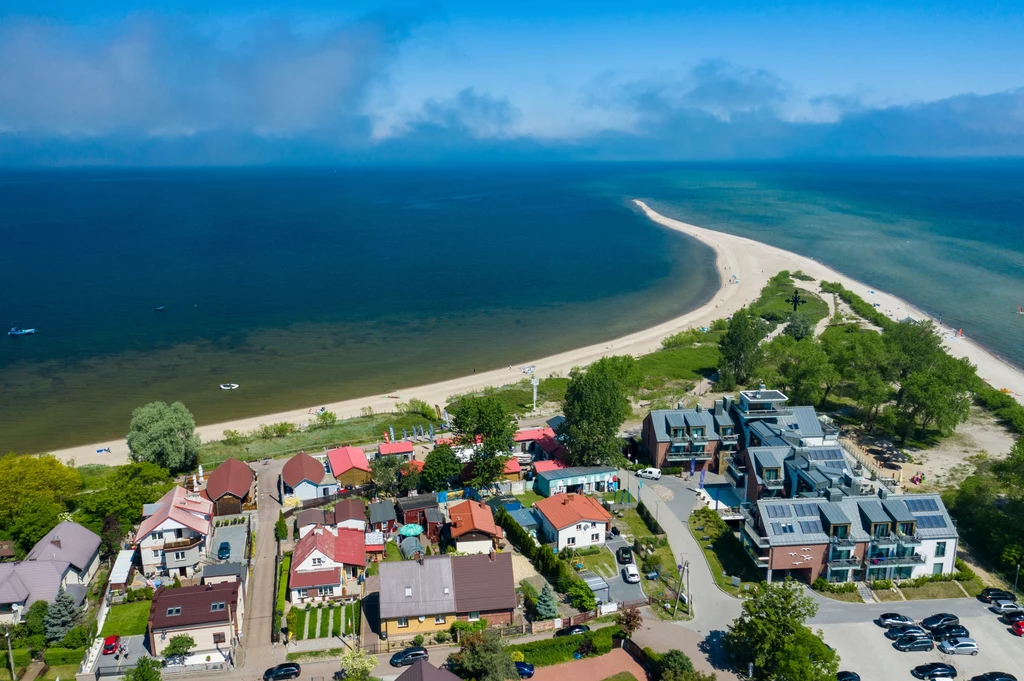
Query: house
<point x="525" y="447"/>
<point x="6" y="550"/>
<point x="412" y="509"/>
<point x="550" y="448"/>
<point x="121" y="573"/>
<point x="382" y="517"/>
<point x="527" y="519"/>
<point x="472" y="529"/>
<point x="306" y="478"/>
<point x="374" y="542"/>
<point x="22" y="584"/>
<point x="422" y="670"/>
<point x="219" y="573"/>
<point x="73" y="544"/>
<point x="347" y="513"/>
<point x="349" y="466"/>
<point x="327" y="564"/>
<point x="210" y="613"/>
<point x="402" y="449"/>
<point x="512" y="472"/>
<point x="577" y="479"/>
<point x="172" y="536"/>
<point x="572" y="520"/>
<point x="430" y="594"/>
<point x="843" y="538"/>
<point x="549" y="465"/>
<point x="231" y="486"/>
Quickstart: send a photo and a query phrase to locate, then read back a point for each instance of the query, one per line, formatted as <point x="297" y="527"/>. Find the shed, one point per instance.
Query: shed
<point x="121" y="573"/>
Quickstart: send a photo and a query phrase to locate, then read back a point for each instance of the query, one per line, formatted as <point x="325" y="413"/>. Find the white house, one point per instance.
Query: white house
<point x="326" y="564"/>
<point x="572" y="520"/>
<point x="307" y="478"/>
<point x="172" y="536"/>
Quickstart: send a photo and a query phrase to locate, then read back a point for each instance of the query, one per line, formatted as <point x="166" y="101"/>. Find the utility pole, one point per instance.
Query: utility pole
<point x="685" y="567"/>
<point x="10" y="654"/>
<point x="1015" y="578"/>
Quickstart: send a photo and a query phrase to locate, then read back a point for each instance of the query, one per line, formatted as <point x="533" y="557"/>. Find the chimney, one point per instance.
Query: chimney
<point x="491" y="555"/>
<point x="679" y="405"/>
<point x="697" y="408"/>
<point x="56" y="541"/>
<point x="883" y="493"/>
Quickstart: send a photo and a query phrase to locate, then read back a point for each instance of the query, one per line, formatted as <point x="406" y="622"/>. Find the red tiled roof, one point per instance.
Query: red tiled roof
<point x="532" y="434"/>
<point x="349" y="547"/>
<point x="563" y="510"/>
<point x="472" y="516"/>
<point x="344" y="459"/>
<point x="443" y="441"/>
<point x="189" y="510"/>
<point x="302" y="467"/>
<point x="400" y="447"/>
<point x="542" y="466"/>
<point x="512" y="466"/>
<point x="231" y="477"/>
<point x="305" y="580"/>
<point x="550" y="445"/>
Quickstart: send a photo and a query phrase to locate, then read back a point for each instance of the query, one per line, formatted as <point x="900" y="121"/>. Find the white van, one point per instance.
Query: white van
<point x="651" y="473"/>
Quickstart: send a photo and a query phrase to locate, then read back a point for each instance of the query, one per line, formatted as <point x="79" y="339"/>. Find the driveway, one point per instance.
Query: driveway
<point x="619" y="590"/>
<point x="233" y="535"/>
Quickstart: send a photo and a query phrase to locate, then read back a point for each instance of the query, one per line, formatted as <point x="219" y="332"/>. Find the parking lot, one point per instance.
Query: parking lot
<point x="620" y="590"/>
<point x="864" y="649"/>
<point x="234" y="535"/>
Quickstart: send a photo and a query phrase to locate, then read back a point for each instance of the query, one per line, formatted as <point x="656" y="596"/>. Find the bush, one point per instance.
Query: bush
<point x="964" y="573"/>
<point x="55" y="656"/>
<point x="22" y="658"/>
<point x="823" y="585"/>
<point x="648" y="519"/>
<point x="441" y="636"/>
<point x="881" y="584"/>
<point x="77" y="637"/>
<point x="530" y="596"/>
<point x="551" y="651"/>
<point x="460" y="628"/>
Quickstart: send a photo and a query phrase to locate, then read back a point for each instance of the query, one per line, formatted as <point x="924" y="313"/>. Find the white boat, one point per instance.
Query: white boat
<point x="228" y="386"/>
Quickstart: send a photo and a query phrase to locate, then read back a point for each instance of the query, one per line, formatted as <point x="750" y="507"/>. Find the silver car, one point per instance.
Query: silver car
<point x="959" y="646"/>
<point x="1005" y="607"/>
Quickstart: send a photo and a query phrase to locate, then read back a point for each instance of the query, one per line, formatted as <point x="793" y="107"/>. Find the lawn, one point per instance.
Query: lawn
<point x="60" y="671"/>
<point x="933" y="590"/>
<point x="314" y="615"/>
<point x="528" y="498"/>
<point x="637" y="527"/>
<point x="603" y="563"/>
<point x="678" y="364"/>
<point x="973" y="587"/>
<point x="779" y="288"/>
<point x="352" y="615"/>
<point x="300" y="624"/>
<point x="887" y="595"/>
<point x="128" y="619"/>
<point x="852" y="597"/>
<point x="391" y="552"/>
<point x="726" y="555"/>
<point x="517" y="398"/>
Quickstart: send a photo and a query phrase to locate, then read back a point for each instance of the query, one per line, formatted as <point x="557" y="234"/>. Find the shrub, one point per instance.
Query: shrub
<point x="821" y="584"/>
<point x="551" y="651"/>
<point x="417" y="640"/>
<point x="441" y="636"/>
<point x="964" y="573"/>
<point x="22" y="658"/>
<point x="881" y="584"/>
<point x="77" y="637"/>
<point x="649" y="520"/>
<point x="530" y="596"/>
<point x="459" y="628"/>
<point x="55" y="656"/>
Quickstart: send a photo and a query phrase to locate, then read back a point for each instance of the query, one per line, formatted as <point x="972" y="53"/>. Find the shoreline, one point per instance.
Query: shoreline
<point x="752" y="261"/>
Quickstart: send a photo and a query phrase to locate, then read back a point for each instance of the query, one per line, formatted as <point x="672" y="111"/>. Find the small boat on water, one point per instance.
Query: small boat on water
<point x="228" y="386"/>
<point x="15" y="331"/>
<point x="161" y="308"/>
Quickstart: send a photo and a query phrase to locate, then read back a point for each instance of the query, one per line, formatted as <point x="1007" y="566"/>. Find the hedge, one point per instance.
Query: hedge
<point x="530" y="596"/>
<point x="22" y="658"/>
<point x="649" y="520"/>
<point x="549" y="651"/>
<point x="56" y="656"/>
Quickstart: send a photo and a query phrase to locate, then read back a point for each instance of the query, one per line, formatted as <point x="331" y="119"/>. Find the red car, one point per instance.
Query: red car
<point x="1018" y="628"/>
<point x="110" y="644"/>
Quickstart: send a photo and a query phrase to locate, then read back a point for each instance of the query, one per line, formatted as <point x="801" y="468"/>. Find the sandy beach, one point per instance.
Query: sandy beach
<point x="752" y="262"/>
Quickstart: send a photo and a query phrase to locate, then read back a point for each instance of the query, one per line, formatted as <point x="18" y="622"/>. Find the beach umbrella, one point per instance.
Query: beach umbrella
<point x="392" y="429"/>
<point x="411" y="530"/>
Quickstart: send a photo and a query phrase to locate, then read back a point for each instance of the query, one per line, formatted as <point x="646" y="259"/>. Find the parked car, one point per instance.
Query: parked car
<point x="224" y="551"/>
<point x="406" y="657"/>
<point x="631" y="574"/>
<point x="110" y="644"/>
<point x="1018" y="628"/>
<point x="893" y="619"/>
<point x="573" y="630"/>
<point x="285" y="670"/>
<point x="909" y="644"/>
<point x="1012" y="617"/>
<point x="934" y="670"/>
<point x="940" y="620"/>
<point x="994" y="676"/>
<point x="649" y="473"/>
<point x="847" y="676"/>
<point x="959" y="646"/>
<point x="990" y="594"/>
<point x="950" y="631"/>
<point x="525" y="670"/>
<point x="1005" y="607"/>
<point x="905" y="630"/>
<point x="624" y="555"/>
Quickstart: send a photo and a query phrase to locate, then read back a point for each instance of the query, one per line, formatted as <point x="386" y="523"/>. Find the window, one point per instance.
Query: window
<point x="595" y="537"/>
<point x="326" y="590"/>
<point x="156" y="536"/>
<point x="219" y="638"/>
<point x="156" y="554"/>
<point x="318" y="561"/>
<point x="214" y="607"/>
<point x="408" y="592"/>
<point x="447" y="591"/>
<point x="579" y="527"/>
<point x="474" y="616"/>
<point x="440" y="619"/>
<point x="173" y="612"/>
<point x="179" y="555"/>
<point x="940" y="549"/>
<point x="403" y="622"/>
<point x="571" y="541"/>
<point x="937" y="569"/>
<point x="303" y="593"/>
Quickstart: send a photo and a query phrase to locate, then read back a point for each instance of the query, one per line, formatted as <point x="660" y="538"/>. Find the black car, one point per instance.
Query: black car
<point x="994" y="676"/>
<point x="941" y="620"/>
<point x="573" y="630"/>
<point x="624" y="555"/>
<point x="906" y="630"/>
<point x="224" y="551"/>
<point x="909" y="644"/>
<point x="847" y="676"/>
<point x="525" y="670"/>
<point x="934" y="670"/>
<point x="950" y="631"/>
<point x="406" y="657"/>
<point x="1012" y="618"/>
<point x="991" y="595"/>
<point x="893" y="619"/>
<point x="285" y="670"/>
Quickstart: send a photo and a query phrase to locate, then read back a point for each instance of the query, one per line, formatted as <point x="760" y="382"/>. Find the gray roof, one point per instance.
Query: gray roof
<point x="421" y="670"/>
<point x="224" y="570"/>
<point x="769" y="457"/>
<point x="525" y="517"/>
<point x="574" y="471"/>
<point x="433" y="515"/>
<point x="897" y="508"/>
<point x="68" y="542"/>
<point x="426" y="582"/>
<point x="675" y="419"/>
<point x="762" y="395"/>
<point x="833" y="513"/>
<point x="872" y="512"/>
<point x="381" y="512"/>
<point x="662" y="420"/>
<point x="31" y="582"/>
<point x="768" y="434"/>
<point x="410" y="546"/>
<point x="122" y="566"/>
<point x="806" y="420"/>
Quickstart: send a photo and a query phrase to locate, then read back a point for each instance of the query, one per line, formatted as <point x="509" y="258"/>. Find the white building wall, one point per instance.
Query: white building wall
<point x="929" y="548"/>
<point x="307" y="490"/>
<point x="472" y="547"/>
<point x="583" y="535"/>
<point x="202" y="635"/>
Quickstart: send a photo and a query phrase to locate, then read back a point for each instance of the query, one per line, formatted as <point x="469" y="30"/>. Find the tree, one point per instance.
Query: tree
<point x="384" y="472"/>
<point x="675" y="661"/>
<point x="623" y="369"/>
<point x="740" y="346"/>
<point x="440" y="468"/>
<point x="60" y="617"/>
<point x="146" y="669"/>
<point x="912" y="346"/>
<point x="281" y="527"/>
<point x="33" y="518"/>
<point x="486" y="425"/>
<point x="629" y="620"/>
<point x="179" y="646"/>
<point x="326" y="419"/>
<point x="24" y="477"/>
<point x="546" y="607"/>
<point x="595" y="406"/>
<point x="799" y="326"/>
<point x="800" y="368"/>
<point x="358" y="664"/>
<point x="771" y="630"/>
<point x="692" y="675"/>
<point x="165" y="435"/>
<point x="484" y="657"/>
<point x="408" y="477"/>
<point x="112" y="533"/>
<point x="861" y="359"/>
<point x="35" y="620"/>
<point x="938" y="395"/>
<point x="123" y="493"/>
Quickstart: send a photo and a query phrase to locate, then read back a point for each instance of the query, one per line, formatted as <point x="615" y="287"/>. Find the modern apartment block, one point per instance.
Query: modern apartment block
<point x="675" y="437"/>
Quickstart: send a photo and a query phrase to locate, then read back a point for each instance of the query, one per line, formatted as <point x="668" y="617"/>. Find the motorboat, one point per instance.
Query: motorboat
<point x="228" y="386"/>
<point x="15" y="331"/>
<point x="161" y="308"/>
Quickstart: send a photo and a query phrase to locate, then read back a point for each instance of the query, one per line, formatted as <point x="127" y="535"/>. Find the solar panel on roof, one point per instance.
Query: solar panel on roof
<point x="805" y="510"/>
<point x="826" y="455"/>
<point x="931" y="522"/>
<point x="778" y="511"/>
<point x="810" y="526"/>
<point x="782" y="528"/>
<point x="921" y="505"/>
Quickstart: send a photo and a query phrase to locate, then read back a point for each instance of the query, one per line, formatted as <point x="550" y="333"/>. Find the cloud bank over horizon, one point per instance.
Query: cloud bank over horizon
<point x="162" y="90"/>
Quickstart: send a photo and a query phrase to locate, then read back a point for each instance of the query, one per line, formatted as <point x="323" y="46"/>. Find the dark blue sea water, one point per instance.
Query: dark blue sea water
<point x="315" y="284"/>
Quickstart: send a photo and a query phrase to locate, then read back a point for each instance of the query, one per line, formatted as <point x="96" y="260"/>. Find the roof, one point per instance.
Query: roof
<point x="311" y="578"/>
<point x="349" y="509"/>
<point x="806" y="420"/>
<point x="302" y="467"/>
<point x="873" y="512"/>
<point x="484" y="582"/>
<point x="833" y="513"/>
<point x="525" y="517"/>
<point x="575" y="471"/>
<point x="472" y="516"/>
<point x="344" y="459"/>
<point x="512" y="466"/>
<point x="410" y="546"/>
<point x="400" y="447"/>
<point x="563" y="510"/>
<point x="31" y="582"/>
<point x="417" y="502"/>
<point x="382" y="512"/>
<point x="763" y="395"/>
<point x="122" y="566"/>
<point x="768" y="457"/>
<point x="6" y="549"/>
<point x="196" y="605"/>
<point x="768" y="433"/>
<point x="231" y="477"/>
<point x="543" y="466"/>
<point x="897" y="508"/>
<point x="224" y="570"/>
<point x="416" y="463"/>
<point x="348" y="546"/>
<point x="68" y="542"/>
<point x="663" y="420"/>
<point x="531" y="434"/>
<point x="550" y="445"/>
<point x="186" y="509"/>
<point x="314" y="516"/>
<point x="374" y="541"/>
<point x="426" y="583"/>
<point x="421" y="670"/>
<point x="433" y="515"/>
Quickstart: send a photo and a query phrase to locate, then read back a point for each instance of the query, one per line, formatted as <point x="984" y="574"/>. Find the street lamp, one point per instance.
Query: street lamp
<point x="1015" y="578"/>
<point x="7" y="633"/>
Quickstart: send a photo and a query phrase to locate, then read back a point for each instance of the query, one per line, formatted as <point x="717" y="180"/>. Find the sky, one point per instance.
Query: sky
<point x="207" y="83"/>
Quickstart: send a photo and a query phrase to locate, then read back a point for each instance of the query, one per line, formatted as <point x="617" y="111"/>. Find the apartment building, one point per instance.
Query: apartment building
<point x="679" y="437"/>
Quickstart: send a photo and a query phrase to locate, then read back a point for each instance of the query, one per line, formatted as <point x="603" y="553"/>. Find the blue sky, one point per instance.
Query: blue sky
<point x="110" y="81"/>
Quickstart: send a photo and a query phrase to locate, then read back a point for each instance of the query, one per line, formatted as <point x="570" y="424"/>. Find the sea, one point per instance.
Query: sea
<point x="308" y="285"/>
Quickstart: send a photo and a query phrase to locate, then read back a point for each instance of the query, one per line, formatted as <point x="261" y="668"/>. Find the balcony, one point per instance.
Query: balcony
<point x="752" y="535"/>
<point x="908" y="539"/>
<point x="180" y="544"/>
<point x="909" y="559"/>
<point x="774" y="483"/>
<point x="887" y="540"/>
<point x="683" y="457"/>
<point x="842" y="541"/>
<point x="843" y="563"/>
<point x="735" y="475"/>
<point x="782" y="411"/>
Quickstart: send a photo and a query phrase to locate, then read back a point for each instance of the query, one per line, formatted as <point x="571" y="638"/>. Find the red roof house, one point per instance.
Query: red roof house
<point x="349" y="466"/>
<point x="327" y="563"/>
<point x="400" y="448"/>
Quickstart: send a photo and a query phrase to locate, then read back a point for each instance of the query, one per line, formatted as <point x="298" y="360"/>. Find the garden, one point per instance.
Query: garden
<point x="725" y="554"/>
<point x="324" y="620"/>
<point x="127" y="619"/>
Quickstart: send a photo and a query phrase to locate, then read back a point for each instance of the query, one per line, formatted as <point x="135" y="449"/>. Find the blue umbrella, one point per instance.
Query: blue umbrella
<point x="392" y="429"/>
<point x="411" y="530"/>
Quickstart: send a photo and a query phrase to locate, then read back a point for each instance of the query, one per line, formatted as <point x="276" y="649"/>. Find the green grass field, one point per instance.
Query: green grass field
<point x="933" y="590"/>
<point x="127" y="619"/>
<point x="518" y="397"/>
<point x="391" y="552"/>
<point x="678" y="364"/>
<point x="528" y="498"/>
<point x="727" y="555"/>
<point x="603" y="563"/>
<point x="779" y="288"/>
